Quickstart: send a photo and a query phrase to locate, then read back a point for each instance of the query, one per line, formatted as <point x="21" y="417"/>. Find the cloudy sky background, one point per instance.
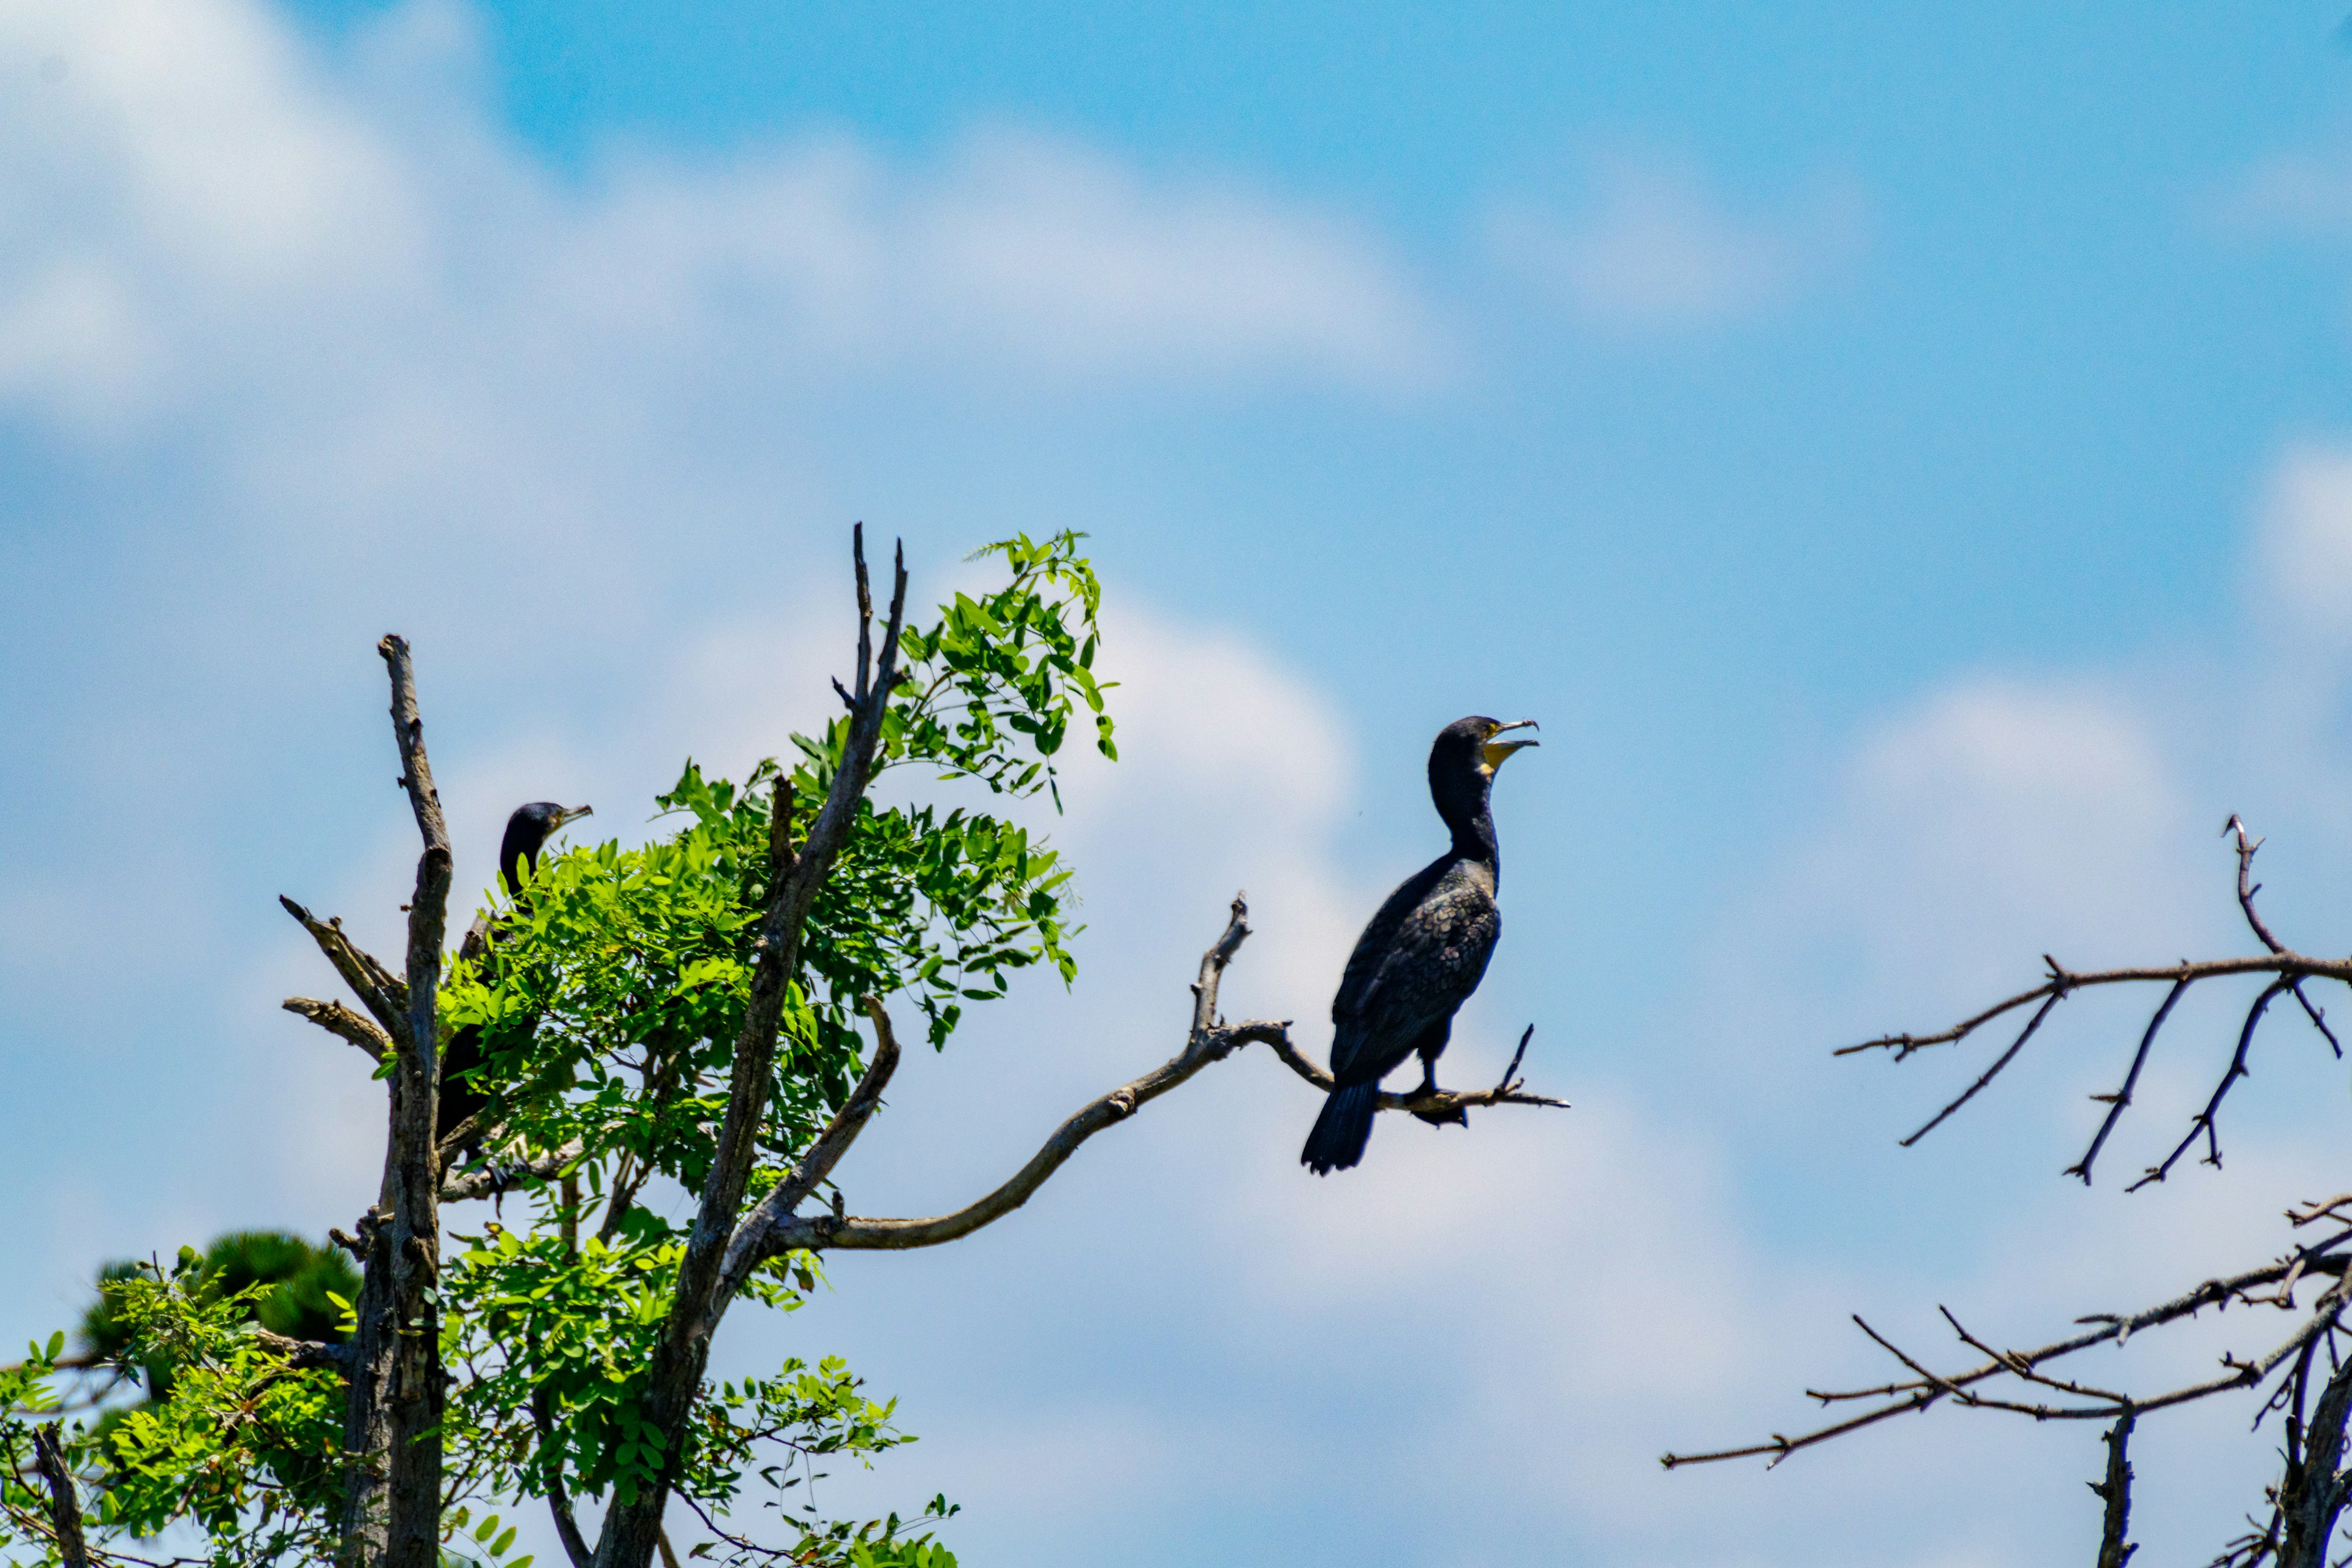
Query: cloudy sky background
<point x="1905" y="463"/>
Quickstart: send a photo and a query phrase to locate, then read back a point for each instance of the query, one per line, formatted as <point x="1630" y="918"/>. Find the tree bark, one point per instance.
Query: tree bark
<point x="65" y="1498"/>
<point x="632" y="1531"/>
<point x="392" y="1418"/>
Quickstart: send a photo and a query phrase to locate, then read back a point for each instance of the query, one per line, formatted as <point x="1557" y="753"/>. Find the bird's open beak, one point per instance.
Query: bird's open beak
<point x="572" y="813"/>
<point x="1498" y="749"/>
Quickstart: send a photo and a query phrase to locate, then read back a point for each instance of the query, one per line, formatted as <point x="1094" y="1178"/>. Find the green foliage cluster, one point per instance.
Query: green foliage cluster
<point x="608" y="1004"/>
<point x="240" y="1444"/>
<point x="303" y="1291"/>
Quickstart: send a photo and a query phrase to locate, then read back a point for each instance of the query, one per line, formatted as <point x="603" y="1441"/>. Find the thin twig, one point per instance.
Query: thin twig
<point x="2204" y="1121"/>
<point x="2006" y="1057"/>
<point x="2120" y="1101"/>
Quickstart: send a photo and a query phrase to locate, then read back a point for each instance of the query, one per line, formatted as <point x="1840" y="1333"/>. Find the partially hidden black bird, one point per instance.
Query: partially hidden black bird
<point x="1423" y="953"/>
<point x="528" y="831"/>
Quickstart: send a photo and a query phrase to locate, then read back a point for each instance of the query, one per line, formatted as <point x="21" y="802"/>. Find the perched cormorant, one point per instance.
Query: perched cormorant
<point x="1423" y="953"/>
<point x="528" y="831"/>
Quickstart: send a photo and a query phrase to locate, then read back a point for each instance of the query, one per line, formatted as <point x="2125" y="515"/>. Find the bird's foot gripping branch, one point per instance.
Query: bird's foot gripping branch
<point x="711" y="1012"/>
<point x="2304" y="1377"/>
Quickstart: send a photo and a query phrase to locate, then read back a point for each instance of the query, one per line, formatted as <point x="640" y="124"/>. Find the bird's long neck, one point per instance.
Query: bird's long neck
<point x="1473" y="821"/>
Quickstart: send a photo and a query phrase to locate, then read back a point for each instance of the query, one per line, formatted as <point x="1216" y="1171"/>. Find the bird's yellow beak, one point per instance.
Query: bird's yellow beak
<point x="572" y="814"/>
<point x="1498" y="749"/>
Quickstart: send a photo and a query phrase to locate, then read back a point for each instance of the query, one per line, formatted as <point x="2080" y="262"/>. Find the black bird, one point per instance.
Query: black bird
<point x="1423" y="953"/>
<point x="528" y="831"/>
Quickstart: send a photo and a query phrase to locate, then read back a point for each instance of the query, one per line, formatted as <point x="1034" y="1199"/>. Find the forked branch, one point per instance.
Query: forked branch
<point x="1210" y="1039"/>
<point x="2287" y="968"/>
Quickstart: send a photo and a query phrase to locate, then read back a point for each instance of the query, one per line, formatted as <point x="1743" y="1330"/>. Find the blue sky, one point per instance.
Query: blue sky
<point x="1904" y="459"/>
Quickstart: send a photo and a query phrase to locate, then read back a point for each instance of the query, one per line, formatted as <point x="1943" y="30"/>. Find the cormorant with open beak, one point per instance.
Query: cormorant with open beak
<point x="1423" y="953"/>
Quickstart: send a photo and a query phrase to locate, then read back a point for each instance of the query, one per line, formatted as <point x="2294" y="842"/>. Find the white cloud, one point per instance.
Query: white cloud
<point x="202" y="199"/>
<point x="1656" y="250"/>
<point x="2303" y="555"/>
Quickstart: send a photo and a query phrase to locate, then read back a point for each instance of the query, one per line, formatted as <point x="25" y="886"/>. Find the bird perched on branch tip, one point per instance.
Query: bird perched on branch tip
<point x="1423" y="953"/>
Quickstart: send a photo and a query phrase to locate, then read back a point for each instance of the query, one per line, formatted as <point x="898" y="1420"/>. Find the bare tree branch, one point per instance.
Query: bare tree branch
<point x="2246" y="891"/>
<point x="631" y="1530"/>
<point x="2114" y="1550"/>
<point x="384" y="994"/>
<point x="2204" y="1122"/>
<point x="1440" y="1107"/>
<point x="308" y="1353"/>
<point x="748" y="1247"/>
<point x="2300" y="965"/>
<point x="1929" y="1388"/>
<point x="2120" y="1101"/>
<point x="339" y="1020"/>
<point x="2313" y="1490"/>
<point x="559" y="1502"/>
<point x="65" y="1498"/>
<point x="1209" y="1040"/>
<point x="483" y="1183"/>
<point x="2289" y="969"/>
<point x="2006" y="1057"/>
<point x="392" y="1424"/>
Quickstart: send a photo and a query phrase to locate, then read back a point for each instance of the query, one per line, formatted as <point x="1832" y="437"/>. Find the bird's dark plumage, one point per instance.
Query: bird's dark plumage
<point x="1423" y="953"/>
<point x="528" y="831"/>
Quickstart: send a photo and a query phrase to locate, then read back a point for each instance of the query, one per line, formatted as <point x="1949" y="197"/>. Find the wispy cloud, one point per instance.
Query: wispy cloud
<point x="198" y="196"/>
<point x="1655" y="246"/>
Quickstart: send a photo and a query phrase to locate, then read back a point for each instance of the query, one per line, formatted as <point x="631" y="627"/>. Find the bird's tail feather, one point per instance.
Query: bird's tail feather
<point x="1343" y="1128"/>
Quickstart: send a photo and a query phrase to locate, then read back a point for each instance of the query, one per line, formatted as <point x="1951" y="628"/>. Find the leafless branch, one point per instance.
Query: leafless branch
<point x="748" y="1247"/>
<point x="1441" y="1106"/>
<point x="64" y="1497"/>
<point x="486" y="1183"/>
<point x="1209" y="1040"/>
<point x="339" y="1020"/>
<point x="2120" y="1101"/>
<point x="2114" y="1491"/>
<point x="632" y="1529"/>
<point x="1927" y="1388"/>
<point x="2301" y="966"/>
<point x="2311" y="1214"/>
<point x="2006" y="1057"/>
<point x="384" y="994"/>
<point x="2204" y="1119"/>
<point x="559" y="1502"/>
<point x="2288" y="968"/>
<point x="308" y="1354"/>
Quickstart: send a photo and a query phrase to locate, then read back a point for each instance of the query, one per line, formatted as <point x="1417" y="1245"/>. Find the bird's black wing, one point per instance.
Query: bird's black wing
<point x="1428" y="961"/>
<point x="1373" y="948"/>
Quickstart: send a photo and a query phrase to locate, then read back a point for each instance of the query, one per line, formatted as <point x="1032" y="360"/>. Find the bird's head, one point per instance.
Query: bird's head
<point x="543" y="817"/>
<point x="1462" y="765"/>
<point x="1475" y="744"/>
<point x="528" y="830"/>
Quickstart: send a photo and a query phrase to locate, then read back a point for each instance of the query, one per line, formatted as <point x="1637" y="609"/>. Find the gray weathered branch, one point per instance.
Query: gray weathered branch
<point x="1443" y="1106"/>
<point x="384" y="994"/>
<point x="1209" y="1040"/>
<point x="750" y="1245"/>
<point x="632" y="1530"/>
<point x="485" y="1183"/>
<point x="392" y="1424"/>
<point x="2114" y="1545"/>
<point x="341" y="1358"/>
<point x="1926" y="1389"/>
<point x="65" y="1498"/>
<point x="339" y="1020"/>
